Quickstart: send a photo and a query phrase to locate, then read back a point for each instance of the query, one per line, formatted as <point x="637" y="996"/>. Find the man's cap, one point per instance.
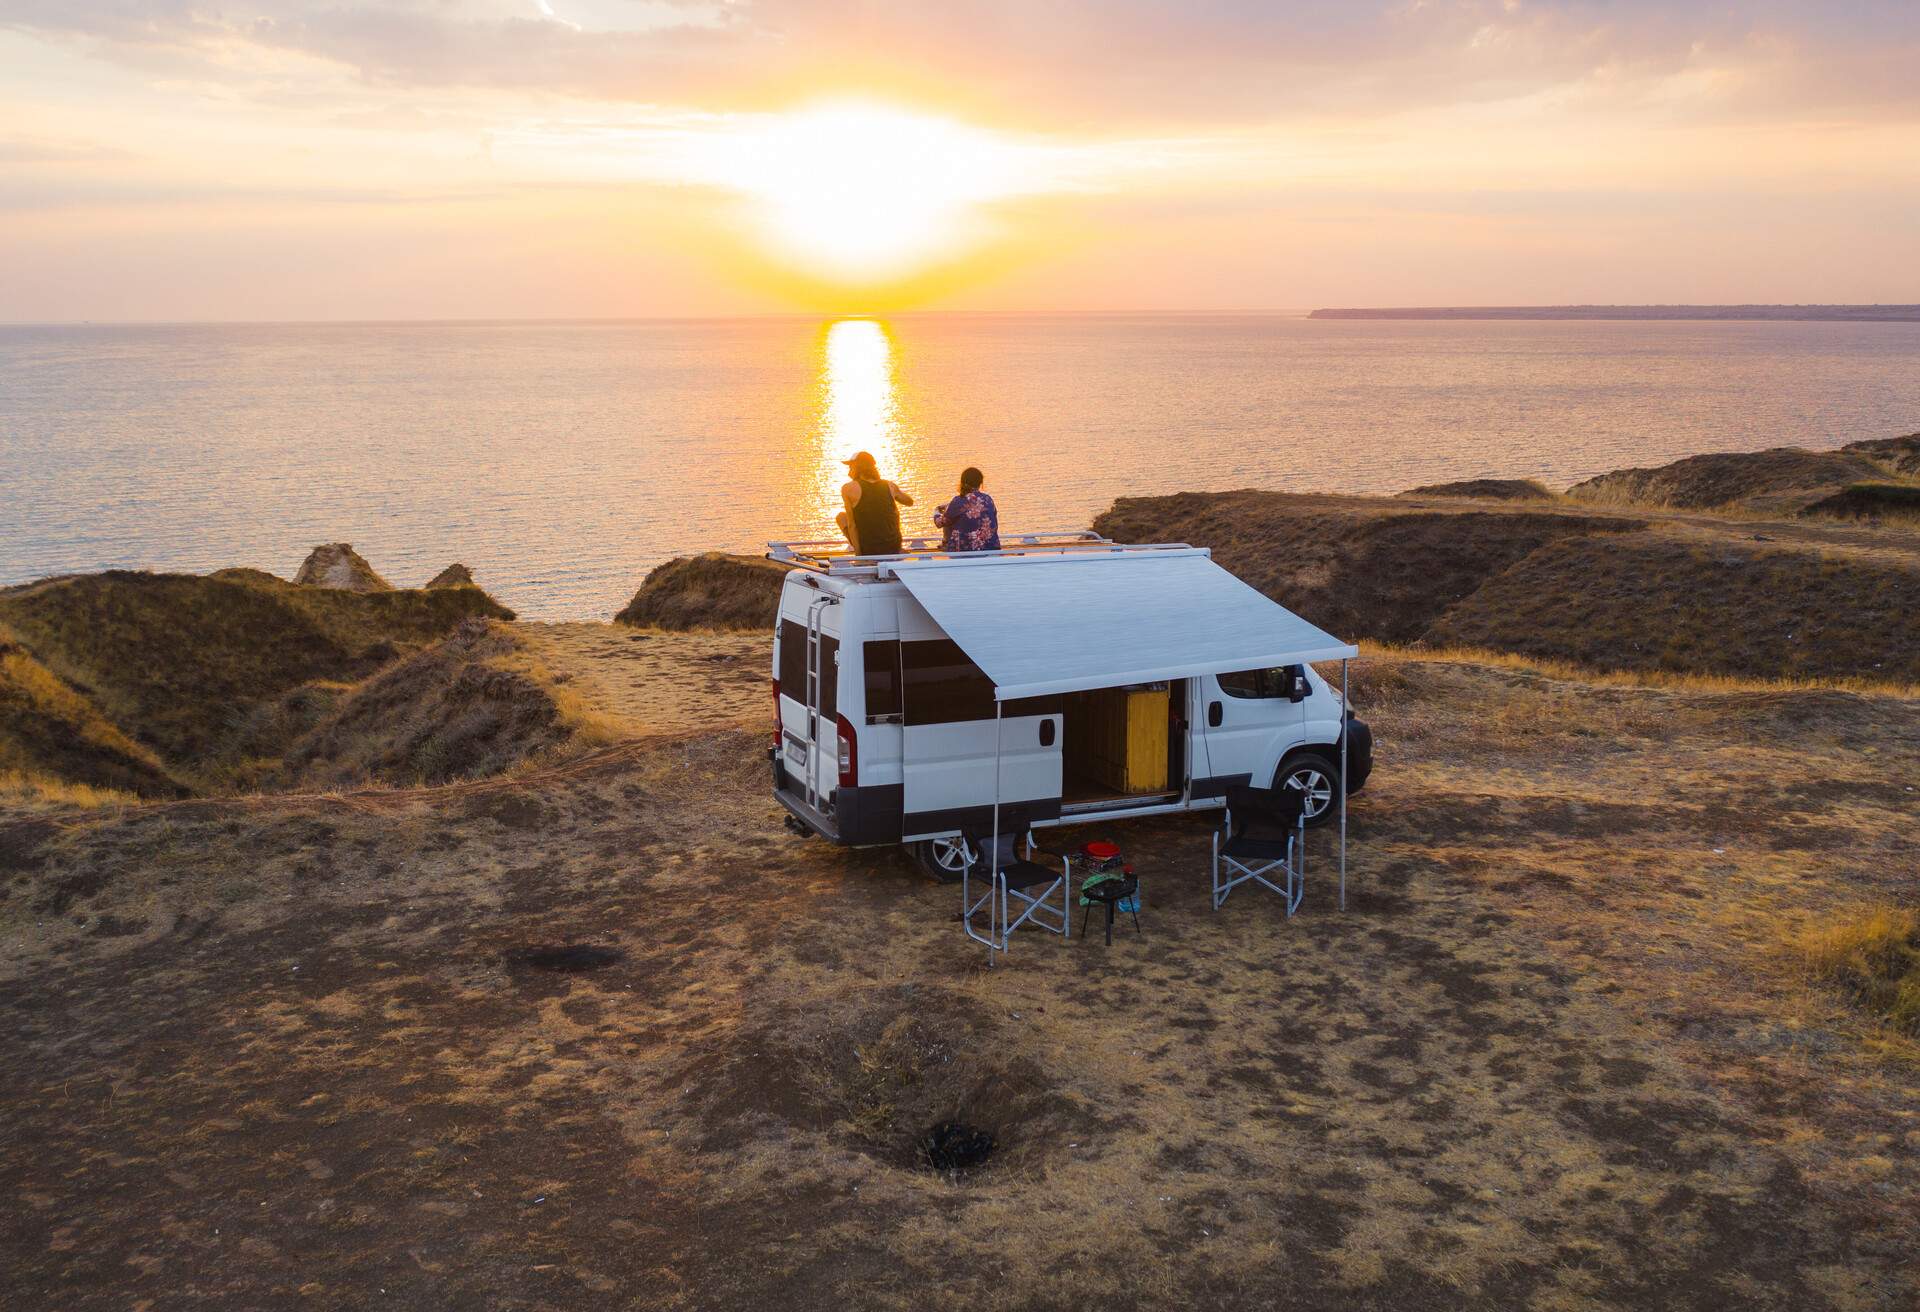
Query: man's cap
<point x="858" y="458"/>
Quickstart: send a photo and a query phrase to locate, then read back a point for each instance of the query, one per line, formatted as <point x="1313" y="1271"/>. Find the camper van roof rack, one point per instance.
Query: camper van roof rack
<point x="830" y="556"/>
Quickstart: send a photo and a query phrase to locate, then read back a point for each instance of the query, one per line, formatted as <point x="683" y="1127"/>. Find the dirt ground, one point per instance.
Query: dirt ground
<point x="293" y="1052"/>
<point x="659" y="681"/>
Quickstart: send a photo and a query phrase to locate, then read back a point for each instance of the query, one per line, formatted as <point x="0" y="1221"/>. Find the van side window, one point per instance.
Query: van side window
<point x="793" y="667"/>
<point x="881" y="660"/>
<point x="1276" y="682"/>
<point x="941" y="685"/>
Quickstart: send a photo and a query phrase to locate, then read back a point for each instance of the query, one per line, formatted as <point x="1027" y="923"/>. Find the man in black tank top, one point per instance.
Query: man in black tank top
<point x="871" y="520"/>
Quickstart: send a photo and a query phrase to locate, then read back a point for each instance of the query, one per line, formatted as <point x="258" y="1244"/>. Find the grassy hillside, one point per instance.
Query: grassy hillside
<point x="1701" y="593"/>
<point x="1780" y="480"/>
<point x="177" y="662"/>
<point x="1899" y="455"/>
<point x="1728" y="479"/>
<point x="472" y="706"/>
<point x="1653" y="601"/>
<point x="50" y="732"/>
<point x="1360" y="567"/>
<point x="711" y="591"/>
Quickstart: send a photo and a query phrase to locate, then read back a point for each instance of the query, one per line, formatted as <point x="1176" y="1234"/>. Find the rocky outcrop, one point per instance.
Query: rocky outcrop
<point x="453" y="576"/>
<point x="338" y="565"/>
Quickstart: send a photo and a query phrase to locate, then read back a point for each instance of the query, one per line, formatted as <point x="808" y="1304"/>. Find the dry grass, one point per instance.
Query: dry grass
<point x="1780" y="477"/>
<point x="20" y="789"/>
<point x="1702" y="593"/>
<point x="1488" y="489"/>
<point x="1874" y="956"/>
<point x="177" y="661"/>
<point x="1550" y="1056"/>
<point x="475" y="705"/>
<point x="710" y="591"/>
<point x="1677" y="680"/>
<point x="648" y="681"/>
<point x="50" y="730"/>
<point x="1870" y="501"/>
<point x="1656" y="601"/>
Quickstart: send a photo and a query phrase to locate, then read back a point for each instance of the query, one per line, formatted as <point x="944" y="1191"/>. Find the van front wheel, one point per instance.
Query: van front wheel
<point x="940" y="858"/>
<point x="1317" y="776"/>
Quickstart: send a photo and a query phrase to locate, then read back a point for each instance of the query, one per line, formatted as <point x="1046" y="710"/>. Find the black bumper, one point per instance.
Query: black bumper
<point x="851" y="817"/>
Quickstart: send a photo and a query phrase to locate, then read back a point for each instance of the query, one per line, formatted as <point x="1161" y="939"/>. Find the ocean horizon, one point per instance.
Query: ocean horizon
<point x="562" y="459"/>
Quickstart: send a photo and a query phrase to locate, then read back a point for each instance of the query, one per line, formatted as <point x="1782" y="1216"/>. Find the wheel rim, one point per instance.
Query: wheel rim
<point x="946" y="854"/>
<point x="1316" y="785"/>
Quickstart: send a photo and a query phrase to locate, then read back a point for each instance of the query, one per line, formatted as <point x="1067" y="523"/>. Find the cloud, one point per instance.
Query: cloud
<point x="35" y="150"/>
<point x="1077" y="62"/>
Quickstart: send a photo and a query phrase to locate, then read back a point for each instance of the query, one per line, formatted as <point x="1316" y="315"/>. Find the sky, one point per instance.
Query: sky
<point x="356" y="159"/>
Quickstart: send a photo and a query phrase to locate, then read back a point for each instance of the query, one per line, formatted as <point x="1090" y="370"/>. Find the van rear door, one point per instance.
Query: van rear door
<point x="948" y="743"/>
<point x="809" y="699"/>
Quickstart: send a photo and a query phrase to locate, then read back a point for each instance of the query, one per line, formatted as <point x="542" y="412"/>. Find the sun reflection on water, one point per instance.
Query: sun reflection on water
<point x="860" y="410"/>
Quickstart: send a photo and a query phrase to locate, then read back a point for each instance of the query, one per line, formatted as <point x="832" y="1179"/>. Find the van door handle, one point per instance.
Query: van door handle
<point x="1046" y="731"/>
<point x="1214" y="713"/>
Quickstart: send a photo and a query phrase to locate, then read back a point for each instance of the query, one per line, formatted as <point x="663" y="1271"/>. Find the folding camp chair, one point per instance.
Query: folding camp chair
<point x="1012" y="880"/>
<point x="1264" y="831"/>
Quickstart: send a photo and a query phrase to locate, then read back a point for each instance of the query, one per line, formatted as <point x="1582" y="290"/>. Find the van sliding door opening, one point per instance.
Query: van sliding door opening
<point x="1126" y="743"/>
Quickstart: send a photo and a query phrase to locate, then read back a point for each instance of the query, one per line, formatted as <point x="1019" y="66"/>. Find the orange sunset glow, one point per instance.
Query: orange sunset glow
<point x="601" y="157"/>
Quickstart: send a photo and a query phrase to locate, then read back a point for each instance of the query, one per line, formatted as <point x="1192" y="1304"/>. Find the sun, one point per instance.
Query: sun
<point x="865" y="193"/>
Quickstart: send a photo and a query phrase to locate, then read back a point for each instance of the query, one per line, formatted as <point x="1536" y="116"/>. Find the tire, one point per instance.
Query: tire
<point x="940" y="858"/>
<point x="1319" y="775"/>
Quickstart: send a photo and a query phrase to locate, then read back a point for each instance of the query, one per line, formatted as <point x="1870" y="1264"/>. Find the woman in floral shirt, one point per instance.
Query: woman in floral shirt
<point x="969" y="521"/>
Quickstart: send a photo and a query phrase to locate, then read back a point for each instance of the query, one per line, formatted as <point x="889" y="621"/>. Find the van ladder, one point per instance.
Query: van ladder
<point x="814" y="673"/>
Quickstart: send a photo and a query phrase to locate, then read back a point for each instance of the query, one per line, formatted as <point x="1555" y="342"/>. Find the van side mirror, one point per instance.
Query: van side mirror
<point x="1299" y="689"/>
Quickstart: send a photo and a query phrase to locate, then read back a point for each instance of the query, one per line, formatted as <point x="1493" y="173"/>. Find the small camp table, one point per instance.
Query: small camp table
<point x="1110" y="883"/>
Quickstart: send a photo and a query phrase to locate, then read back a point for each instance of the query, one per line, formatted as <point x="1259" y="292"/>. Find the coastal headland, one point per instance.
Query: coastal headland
<point x="361" y="943"/>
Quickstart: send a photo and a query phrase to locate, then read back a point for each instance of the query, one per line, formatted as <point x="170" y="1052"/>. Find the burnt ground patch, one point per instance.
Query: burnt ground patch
<point x="566" y="958"/>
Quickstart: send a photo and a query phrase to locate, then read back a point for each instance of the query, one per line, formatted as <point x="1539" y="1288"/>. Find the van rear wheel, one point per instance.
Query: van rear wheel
<point x="940" y="858"/>
<point x="1316" y="775"/>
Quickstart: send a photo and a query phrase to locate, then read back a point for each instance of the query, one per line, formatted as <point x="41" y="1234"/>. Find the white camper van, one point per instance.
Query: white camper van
<point x="1069" y="676"/>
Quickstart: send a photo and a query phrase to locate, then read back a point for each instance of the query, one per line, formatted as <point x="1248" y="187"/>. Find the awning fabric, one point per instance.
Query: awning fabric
<point x="1043" y="625"/>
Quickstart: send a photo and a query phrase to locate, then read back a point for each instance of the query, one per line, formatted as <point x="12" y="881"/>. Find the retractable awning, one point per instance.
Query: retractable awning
<point x="1039" y="626"/>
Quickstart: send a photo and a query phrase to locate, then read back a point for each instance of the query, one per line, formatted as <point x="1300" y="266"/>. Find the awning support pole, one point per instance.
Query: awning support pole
<point x="1345" y="713"/>
<point x="993" y="855"/>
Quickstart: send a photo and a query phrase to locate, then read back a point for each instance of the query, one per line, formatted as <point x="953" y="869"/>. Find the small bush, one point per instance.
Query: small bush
<point x="714" y="591"/>
<point x="1487" y="489"/>
<point x="1875" y="957"/>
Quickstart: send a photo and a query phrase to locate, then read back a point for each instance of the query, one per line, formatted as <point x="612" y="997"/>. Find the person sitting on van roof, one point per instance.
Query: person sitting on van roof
<point x="970" y="522"/>
<point x="871" y="520"/>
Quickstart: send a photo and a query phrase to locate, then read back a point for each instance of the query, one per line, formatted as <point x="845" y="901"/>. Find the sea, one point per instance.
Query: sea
<point x="562" y="461"/>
